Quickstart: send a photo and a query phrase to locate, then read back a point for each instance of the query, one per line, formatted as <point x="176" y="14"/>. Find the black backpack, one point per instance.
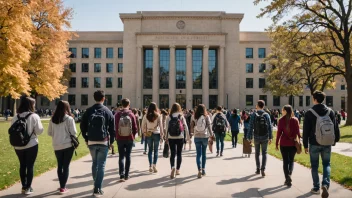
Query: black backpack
<point x="219" y="124"/>
<point x="97" y="126"/>
<point x="260" y="124"/>
<point x="18" y="132"/>
<point x="174" y="128"/>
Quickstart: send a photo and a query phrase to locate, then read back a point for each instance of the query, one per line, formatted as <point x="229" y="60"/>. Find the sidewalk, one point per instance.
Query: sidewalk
<point x="343" y="149"/>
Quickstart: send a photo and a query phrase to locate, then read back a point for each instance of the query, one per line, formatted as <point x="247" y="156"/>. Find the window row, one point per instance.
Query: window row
<point x="96" y="84"/>
<point x="249" y="83"/>
<point x="97" y="67"/>
<point x="261" y="53"/>
<point x="97" y="52"/>
<point x="85" y="100"/>
<point x="261" y="68"/>
<point x="181" y="99"/>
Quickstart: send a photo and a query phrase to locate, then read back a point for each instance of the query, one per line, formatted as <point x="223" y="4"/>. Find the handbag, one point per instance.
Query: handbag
<point x="166" y="151"/>
<point x="74" y="139"/>
<point x="149" y="133"/>
<point x="298" y="145"/>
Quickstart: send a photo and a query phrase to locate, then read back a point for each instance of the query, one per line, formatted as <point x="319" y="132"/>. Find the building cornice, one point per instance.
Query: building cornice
<point x="95" y="41"/>
<point x="181" y="33"/>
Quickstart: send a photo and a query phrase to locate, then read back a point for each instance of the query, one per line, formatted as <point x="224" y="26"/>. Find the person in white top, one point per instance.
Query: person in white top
<point x="153" y="129"/>
<point x="28" y="154"/>
<point x="61" y="127"/>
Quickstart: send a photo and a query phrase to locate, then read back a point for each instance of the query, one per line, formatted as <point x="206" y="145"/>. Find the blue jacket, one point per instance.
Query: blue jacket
<point x="234" y="121"/>
<point x="251" y="133"/>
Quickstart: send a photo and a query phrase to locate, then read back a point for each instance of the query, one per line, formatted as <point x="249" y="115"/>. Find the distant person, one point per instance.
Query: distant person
<point x="98" y="130"/>
<point x="235" y="121"/>
<point x="245" y="119"/>
<point x="7" y="114"/>
<point x="260" y="129"/>
<point x="27" y="153"/>
<point x="220" y="127"/>
<point x="61" y="127"/>
<point x="320" y="145"/>
<point x="343" y="114"/>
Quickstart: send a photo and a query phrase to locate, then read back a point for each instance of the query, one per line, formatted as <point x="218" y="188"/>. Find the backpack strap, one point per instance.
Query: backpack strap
<point x="315" y="113"/>
<point x="328" y="113"/>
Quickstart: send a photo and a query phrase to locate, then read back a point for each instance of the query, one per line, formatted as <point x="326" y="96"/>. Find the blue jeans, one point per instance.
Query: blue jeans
<point x="142" y="139"/>
<point x="99" y="154"/>
<point x="201" y="147"/>
<point x="325" y="152"/>
<point x="125" y="149"/>
<point x="234" y="137"/>
<point x="153" y="145"/>
<point x="219" y="140"/>
<point x="264" y="145"/>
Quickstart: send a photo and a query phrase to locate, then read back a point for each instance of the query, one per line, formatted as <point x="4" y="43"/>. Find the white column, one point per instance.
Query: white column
<point x="221" y="76"/>
<point x="139" y="77"/>
<point x="189" y="81"/>
<point x="205" y="76"/>
<point x="156" y="74"/>
<point x="172" y="76"/>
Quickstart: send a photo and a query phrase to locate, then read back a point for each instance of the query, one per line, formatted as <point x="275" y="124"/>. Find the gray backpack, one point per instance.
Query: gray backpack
<point x="125" y="125"/>
<point x="324" y="129"/>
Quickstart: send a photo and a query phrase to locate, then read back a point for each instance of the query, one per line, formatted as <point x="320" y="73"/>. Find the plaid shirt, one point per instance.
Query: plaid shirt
<point x="251" y="128"/>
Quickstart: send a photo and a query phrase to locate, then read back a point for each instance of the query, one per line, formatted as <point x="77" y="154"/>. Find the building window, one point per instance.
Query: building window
<point x="147" y="99"/>
<point x="108" y="100"/>
<point x="291" y="101"/>
<point x="120" y="67"/>
<point x="261" y="83"/>
<point x="261" y="53"/>
<point x="73" y="52"/>
<point x="44" y="101"/>
<point x="197" y="100"/>
<point x="109" y="52"/>
<point x="109" y="82"/>
<point x="329" y="101"/>
<point x="264" y="98"/>
<point x="181" y="99"/>
<point x="262" y="68"/>
<point x="119" y="82"/>
<point x="249" y="68"/>
<point x="109" y="67"/>
<point x="249" y="52"/>
<point x="84" y="99"/>
<point x="197" y="64"/>
<point x="72" y="83"/>
<point x="120" y="53"/>
<point x="72" y="67"/>
<point x="85" y="67"/>
<point x="119" y="98"/>
<point x="249" y="100"/>
<point x="276" y="101"/>
<point x="164" y="68"/>
<point x="213" y="69"/>
<point x="307" y="101"/>
<point x="300" y="102"/>
<point x="249" y="82"/>
<point x="180" y="68"/>
<point x="164" y="101"/>
<point x="148" y="69"/>
<point x="213" y="101"/>
<point x="72" y="99"/>
<point x="343" y="87"/>
<point x="97" y="67"/>
<point x="97" y="52"/>
<point x="85" y="82"/>
<point x="85" y="52"/>
<point x="343" y="102"/>
<point x="97" y="82"/>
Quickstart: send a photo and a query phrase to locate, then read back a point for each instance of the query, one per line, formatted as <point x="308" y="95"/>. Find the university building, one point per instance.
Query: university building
<point x="184" y="57"/>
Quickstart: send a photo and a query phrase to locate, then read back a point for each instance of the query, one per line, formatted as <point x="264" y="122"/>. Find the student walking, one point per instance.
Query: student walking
<point x="144" y="139"/>
<point x="201" y="128"/>
<point x="220" y="126"/>
<point x="26" y="147"/>
<point x="61" y="127"/>
<point x="322" y="116"/>
<point x="152" y="125"/>
<point x="261" y="129"/>
<point x="287" y="134"/>
<point x="98" y="130"/>
<point x="126" y="130"/>
<point x="176" y="129"/>
<point x="234" y="121"/>
<point x="245" y="119"/>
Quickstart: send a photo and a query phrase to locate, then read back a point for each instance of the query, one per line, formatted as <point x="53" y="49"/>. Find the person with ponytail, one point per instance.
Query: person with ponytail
<point x="287" y="133"/>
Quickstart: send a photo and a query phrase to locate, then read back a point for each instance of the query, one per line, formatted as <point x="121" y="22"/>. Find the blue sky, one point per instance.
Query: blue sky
<point x="103" y="15"/>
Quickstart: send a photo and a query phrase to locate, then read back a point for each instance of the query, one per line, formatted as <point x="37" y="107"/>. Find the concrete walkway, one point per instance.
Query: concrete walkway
<point x="343" y="149"/>
<point x="227" y="176"/>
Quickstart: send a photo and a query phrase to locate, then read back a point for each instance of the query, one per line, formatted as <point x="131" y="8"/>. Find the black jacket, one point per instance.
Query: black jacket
<point x="109" y="118"/>
<point x="310" y="122"/>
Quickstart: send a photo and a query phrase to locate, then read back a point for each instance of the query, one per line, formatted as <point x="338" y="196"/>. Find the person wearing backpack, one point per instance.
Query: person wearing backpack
<point x="201" y="128"/>
<point x="320" y="132"/>
<point x="152" y="126"/>
<point x="25" y="127"/>
<point x="260" y="129"/>
<point x="61" y="127"/>
<point x="98" y="130"/>
<point x="126" y="130"/>
<point x="176" y="129"/>
<point x="234" y="121"/>
<point x="220" y="127"/>
<point x="287" y="134"/>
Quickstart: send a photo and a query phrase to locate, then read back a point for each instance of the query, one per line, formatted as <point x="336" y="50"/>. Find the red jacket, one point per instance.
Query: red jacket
<point x="134" y="125"/>
<point x="283" y="134"/>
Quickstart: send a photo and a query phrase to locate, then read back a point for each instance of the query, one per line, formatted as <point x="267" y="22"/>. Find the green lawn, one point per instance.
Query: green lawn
<point x="346" y="134"/>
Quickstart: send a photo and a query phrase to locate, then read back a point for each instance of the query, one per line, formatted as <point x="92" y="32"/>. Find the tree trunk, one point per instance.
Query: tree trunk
<point x="349" y="101"/>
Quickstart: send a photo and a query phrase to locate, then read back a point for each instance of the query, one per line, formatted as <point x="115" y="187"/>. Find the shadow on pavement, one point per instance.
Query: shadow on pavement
<point x="255" y="192"/>
<point x="233" y="158"/>
<point x="237" y="180"/>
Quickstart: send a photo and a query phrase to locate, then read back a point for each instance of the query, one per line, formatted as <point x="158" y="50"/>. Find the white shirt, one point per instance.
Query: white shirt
<point x="60" y="133"/>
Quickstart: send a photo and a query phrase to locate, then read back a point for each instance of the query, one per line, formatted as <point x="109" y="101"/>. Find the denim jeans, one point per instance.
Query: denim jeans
<point x="142" y="139"/>
<point x="145" y="143"/>
<point x="153" y="145"/>
<point x="201" y="147"/>
<point x="219" y="140"/>
<point x="99" y="154"/>
<point x="27" y="158"/>
<point x="234" y="137"/>
<point x="125" y="149"/>
<point x="325" y="152"/>
<point x="288" y="156"/>
<point x="264" y="145"/>
<point x="63" y="158"/>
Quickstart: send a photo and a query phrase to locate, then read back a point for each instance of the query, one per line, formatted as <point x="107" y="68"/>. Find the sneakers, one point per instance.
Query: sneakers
<point x="315" y="191"/>
<point x="150" y="169"/>
<point x="199" y="174"/>
<point x="122" y="178"/>
<point x="263" y="173"/>
<point x="28" y="191"/>
<point x="63" y="190"/>
<point x="203" y="173"/>
<point x="173" y="171"/>
<point x="221" y="154"/>
<point x="325" y="193"/>
<point x="217" y="154"/>
<point x="23" y="190"/>
<point x="127" y="178"/>
<point x="177" y="172"/>
<point x="144" y="153"/>
<point x="154" y="169"/>
<point x="98" y="193"/>
<point x="257" y="172"/>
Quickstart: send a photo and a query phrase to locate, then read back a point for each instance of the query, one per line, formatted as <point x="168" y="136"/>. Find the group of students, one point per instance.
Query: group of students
<point x="100" y="128"/>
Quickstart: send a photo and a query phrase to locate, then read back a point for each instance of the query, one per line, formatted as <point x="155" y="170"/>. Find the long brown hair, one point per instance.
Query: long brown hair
<point x="201" y="110"/>
<point x="62" y="109"/>
<point x="153" y="112"/>
<point x="176" y="108"/>
<point x="288" y="116"/>
<point x="26" y="104"/>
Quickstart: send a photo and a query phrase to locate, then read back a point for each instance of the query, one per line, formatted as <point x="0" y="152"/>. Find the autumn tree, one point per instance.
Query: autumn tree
<point x="330" y="19"/>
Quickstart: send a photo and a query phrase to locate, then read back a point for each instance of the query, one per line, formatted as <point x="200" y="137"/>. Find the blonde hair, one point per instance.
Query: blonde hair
<point x="176" y="108"/>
